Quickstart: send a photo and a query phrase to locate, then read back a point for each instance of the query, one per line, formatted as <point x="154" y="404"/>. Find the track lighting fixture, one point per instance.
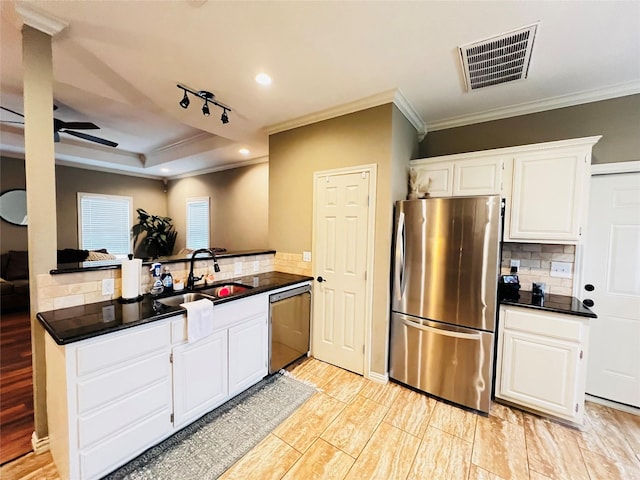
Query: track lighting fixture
<point x="208" y="98"/>
<point x="184" y="103"/>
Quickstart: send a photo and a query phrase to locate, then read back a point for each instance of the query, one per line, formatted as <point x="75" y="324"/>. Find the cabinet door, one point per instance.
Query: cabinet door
<point x="547" y="196"/>
<point x="477" y="177"/>
<point x="247" y="353"/>
<point x="199" y="377"/>
<point x="540" y="373"/>
<point x="436" y="178"/>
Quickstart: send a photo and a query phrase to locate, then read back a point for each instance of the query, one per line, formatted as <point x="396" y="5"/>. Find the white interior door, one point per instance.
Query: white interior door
<point x="341" y="246"/>
<point x="612" y="267"/>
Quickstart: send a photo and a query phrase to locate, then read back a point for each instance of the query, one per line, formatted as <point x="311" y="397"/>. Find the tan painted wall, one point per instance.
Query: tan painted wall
<point x="356" y="139"/>
<point x="239" y="206"/>
<point x="12" y="237"/>
<point x="147" y="193"/>
<point x="617" y="120"/>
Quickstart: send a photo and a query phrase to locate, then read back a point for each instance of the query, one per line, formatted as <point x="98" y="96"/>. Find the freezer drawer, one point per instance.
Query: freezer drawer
<point x="452" y="363"/>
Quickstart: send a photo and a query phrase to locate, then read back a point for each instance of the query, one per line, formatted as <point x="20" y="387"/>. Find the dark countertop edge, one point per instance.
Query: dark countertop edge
<point x="115" y="264"/>
<point x="567" y="305"/>
<point x="288" y="279"/>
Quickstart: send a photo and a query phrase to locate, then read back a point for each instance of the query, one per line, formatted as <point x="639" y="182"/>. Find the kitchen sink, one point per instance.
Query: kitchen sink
<point x="226" y="290"/>
<point x="177" y="300"/>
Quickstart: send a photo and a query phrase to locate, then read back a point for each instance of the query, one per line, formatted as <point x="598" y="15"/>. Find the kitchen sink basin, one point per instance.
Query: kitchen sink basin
<point x="177" y="300"/>
<point x="226" y="290"/>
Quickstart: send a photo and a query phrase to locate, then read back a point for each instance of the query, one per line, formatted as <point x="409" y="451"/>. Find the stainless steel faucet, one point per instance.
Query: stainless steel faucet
<point x="191" y="280"/>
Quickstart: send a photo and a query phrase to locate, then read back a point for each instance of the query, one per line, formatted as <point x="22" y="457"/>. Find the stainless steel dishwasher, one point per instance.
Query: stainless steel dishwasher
<point x="289" y="325"/>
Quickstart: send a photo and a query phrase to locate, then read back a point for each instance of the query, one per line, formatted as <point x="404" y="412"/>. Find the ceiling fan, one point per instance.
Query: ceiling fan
<point x="60" y="126"/>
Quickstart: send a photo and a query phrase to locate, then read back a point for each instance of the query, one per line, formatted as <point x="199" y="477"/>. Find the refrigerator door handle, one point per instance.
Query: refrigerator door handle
<point x="443" y="331"/>
<point x="399" y="279"/>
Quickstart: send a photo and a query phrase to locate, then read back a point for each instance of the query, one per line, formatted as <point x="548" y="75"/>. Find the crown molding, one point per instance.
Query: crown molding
<point x="40" y="20"/>
<point x="390" y="96"/>
<point x="618" y="167"/>
<point x="247" y="163"/>
<point x="606" y="93"/>
<point x="98" y="168"/>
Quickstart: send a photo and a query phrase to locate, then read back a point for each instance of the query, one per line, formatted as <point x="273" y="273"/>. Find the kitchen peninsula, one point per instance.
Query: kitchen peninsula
<point x="120" y="371"/>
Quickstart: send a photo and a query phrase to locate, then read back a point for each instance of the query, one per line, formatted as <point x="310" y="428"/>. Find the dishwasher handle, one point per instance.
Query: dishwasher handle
<point x="276" y="297"/>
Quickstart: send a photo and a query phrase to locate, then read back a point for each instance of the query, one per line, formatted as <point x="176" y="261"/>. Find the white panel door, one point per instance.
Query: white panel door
<point x="341" y="239"/>
<point x="612" y="267"/>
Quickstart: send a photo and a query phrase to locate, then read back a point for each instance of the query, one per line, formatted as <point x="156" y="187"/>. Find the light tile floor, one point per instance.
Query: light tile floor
<point x="358" y="429"/>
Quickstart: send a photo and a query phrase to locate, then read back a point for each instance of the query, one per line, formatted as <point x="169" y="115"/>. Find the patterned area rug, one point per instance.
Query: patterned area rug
<point x="207" y="448"/>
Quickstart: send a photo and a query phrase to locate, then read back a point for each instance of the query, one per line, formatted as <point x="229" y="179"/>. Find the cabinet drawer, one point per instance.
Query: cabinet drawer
<point x="552" y="325"/>
<point x="120" y="383"/>
<point x="120" y="347"/>
<point x="105" y="457"/>
<point x="121" y="415"/>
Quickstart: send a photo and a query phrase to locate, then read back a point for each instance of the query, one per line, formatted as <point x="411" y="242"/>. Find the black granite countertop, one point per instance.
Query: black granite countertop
<point x="550" y="303"/>
<point x="67" y="325"/>
<point x="113" y="264"/>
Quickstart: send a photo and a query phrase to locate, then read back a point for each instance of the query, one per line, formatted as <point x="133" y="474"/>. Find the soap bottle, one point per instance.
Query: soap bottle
<point x="167" y="280"/>
<point x="157" y="286"/>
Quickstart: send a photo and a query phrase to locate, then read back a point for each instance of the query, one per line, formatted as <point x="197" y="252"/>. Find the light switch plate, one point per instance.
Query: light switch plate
<point x="560" y="269"/>
<point x="256" y="265"/>
<point x="108" y="286"/>
<point x="514" y="263"/>
<point x="237" y="268"/>
<point x="306" y="256"/>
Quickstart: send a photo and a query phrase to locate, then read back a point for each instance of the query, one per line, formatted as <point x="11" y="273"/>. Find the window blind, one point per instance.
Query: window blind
<point x="105" y="222"/>
<point x="198" y="223"/>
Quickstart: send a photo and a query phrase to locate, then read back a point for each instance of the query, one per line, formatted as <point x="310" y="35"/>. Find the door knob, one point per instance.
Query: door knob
<point x="587" y="302"/>
<point x="320" y="279"/>
<point x="589" y="288"/>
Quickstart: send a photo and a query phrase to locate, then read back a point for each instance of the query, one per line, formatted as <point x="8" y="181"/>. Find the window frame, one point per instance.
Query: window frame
<point x="124" y="198"/>
<point x="196" y="200"/>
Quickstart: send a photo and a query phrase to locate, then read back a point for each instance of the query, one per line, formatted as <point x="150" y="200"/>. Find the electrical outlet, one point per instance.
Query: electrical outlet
<point x="237" y="268"/>
<point x="560" y="269"/>
<point x="256" y="265"/>
<point x="306" y="256"/>
<point x="108" y="286"/>
<point x="514" y="263"/>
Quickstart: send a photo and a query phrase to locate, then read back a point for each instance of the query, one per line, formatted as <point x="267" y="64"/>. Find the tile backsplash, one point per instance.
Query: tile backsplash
<point x="535" y="264"/>
<point x="73" y="289"/>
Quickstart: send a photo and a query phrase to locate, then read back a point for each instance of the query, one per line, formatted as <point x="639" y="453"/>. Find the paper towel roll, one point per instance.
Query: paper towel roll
<point x="131" y="271"/>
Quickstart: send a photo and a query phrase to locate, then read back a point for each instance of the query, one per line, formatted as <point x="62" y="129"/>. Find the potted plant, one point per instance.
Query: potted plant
<point x="160" y="236"/>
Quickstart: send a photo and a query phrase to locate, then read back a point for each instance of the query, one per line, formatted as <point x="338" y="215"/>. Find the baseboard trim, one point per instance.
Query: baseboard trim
<point x="378" y="377"/>
<point x="40" y="445"/>
<point x="615" y="405"/>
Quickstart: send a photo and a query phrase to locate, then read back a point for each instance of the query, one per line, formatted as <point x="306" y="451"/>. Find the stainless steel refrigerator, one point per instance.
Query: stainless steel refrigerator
<point x="445" y="278"/>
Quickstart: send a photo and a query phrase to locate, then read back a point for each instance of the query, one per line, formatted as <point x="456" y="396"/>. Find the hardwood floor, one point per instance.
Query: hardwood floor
<point x="356" y="429"/>
<point x="16" y="386"/>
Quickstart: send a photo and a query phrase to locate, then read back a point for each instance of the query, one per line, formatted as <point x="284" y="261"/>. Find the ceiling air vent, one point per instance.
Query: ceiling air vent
<point x="500" y="59"/>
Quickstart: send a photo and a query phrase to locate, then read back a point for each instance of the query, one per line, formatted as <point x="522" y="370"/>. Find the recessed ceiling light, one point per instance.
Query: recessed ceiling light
<point x="244" y="151"/>
<point x="263" y="79"/>
<point x="165" y="170"/>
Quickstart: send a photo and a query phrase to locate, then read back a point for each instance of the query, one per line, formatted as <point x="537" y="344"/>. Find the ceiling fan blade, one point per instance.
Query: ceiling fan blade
<point x="12" y="111"/>
<point x="91" y="138"/>
<point x="78" y="125"/>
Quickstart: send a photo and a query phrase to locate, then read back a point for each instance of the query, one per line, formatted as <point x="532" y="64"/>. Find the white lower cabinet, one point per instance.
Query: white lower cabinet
<point x="247" y="354"/>
<point x="111" y="397"/>
<point x="542" y="361"/>
<point x="200" y="373"/>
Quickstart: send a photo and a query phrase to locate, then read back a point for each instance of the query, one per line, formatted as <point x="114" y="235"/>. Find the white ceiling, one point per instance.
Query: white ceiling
<point x="117" y="64"/>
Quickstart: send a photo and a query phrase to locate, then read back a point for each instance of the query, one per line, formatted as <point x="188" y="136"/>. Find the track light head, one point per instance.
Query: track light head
<point x="208" y="98"/>
<point x="184" y="103"/>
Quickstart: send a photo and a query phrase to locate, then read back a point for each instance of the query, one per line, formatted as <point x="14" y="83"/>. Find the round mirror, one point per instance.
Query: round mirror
<point x="13" y="207"/>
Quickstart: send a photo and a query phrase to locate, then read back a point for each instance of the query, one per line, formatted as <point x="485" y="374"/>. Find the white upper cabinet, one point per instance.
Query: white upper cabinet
<point x="545" y="185"/>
